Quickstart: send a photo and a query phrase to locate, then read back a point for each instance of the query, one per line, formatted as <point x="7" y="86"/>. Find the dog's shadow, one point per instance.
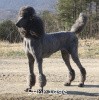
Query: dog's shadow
<point x="85" y="93"/>
<point x="88" y="86"/>
<point x="91" y="86"/>
<point x="64" y="92"/>
<point x="82" y="93"/>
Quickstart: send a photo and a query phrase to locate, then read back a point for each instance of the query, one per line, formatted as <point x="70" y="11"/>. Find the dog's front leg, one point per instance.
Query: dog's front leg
<point x="42" y="77"/>
<point x="31" y="76"/>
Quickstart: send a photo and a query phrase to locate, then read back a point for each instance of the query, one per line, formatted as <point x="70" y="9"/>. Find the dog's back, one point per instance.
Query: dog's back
<point x="56" y="41"/>
<point x="53" y="42"/>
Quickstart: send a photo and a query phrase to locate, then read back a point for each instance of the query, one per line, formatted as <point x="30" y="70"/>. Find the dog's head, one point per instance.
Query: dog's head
<point x="25" y="15"/>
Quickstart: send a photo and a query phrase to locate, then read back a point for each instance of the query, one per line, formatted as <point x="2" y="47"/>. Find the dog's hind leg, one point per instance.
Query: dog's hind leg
<point x="31" y="77"/>
<point x="66" y="58"/>
<point x="42" y="77"/>
<point x="74" y="54"/>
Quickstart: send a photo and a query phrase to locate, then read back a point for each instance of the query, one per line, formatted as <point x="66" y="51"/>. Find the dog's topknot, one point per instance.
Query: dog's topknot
<point x="27" y="11"/>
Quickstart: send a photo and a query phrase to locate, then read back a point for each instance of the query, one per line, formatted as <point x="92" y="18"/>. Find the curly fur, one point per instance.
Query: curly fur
<point x="29" y="24"/>
<point x="40" y="45"/>
<point x="42" y="80"/>
<point x="79" y="24"/>
<point x="31" y="80"/>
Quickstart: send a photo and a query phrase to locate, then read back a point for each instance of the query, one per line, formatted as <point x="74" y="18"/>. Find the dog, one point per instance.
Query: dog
<point x="39" y="45"/>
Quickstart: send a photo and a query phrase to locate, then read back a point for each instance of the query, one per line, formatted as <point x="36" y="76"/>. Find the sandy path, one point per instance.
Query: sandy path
<point x="13" y="80"/>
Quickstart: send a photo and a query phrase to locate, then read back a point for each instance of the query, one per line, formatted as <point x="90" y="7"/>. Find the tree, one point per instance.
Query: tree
<point x="65" y="11"/>
<point x="69" y="10"/>
<point x="50" y="21"/>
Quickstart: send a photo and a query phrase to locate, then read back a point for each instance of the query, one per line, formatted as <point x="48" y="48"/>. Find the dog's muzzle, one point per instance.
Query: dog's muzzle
<point x="18" y="22"/>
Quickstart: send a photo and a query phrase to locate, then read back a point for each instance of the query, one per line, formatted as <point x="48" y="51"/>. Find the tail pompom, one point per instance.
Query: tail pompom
<point x="80" y="23"/>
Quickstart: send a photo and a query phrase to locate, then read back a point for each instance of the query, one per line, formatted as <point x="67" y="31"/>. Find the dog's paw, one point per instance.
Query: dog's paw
<point x="67" y="84"/>
<point x="28" y="90"/>
<point x="40" y="91"/>
<point x="81" y="85"/>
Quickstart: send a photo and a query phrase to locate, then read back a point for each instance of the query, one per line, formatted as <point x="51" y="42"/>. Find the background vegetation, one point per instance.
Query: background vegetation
<point x="9" y="32"/>
<point x="88" y="48"/>
<point x="66" y="13"/>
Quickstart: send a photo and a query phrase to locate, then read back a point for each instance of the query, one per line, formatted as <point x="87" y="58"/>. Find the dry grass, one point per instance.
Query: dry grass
<point x="14" y="50"/>
<point x="87" y="49"/>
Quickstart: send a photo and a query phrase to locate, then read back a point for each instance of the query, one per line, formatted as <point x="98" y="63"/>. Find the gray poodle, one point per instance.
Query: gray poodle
<point x="39" y="45"/>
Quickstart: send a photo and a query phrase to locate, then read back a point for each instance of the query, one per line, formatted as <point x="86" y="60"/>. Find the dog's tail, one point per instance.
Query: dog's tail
<point x="80" y="23"/>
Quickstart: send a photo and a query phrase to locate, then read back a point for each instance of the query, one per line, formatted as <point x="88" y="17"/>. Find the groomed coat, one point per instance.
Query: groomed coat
<point x="39" y="45"/>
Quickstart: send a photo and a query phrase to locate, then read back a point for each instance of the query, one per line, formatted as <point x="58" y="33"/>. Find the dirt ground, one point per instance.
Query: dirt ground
<point x="13" y="73"/>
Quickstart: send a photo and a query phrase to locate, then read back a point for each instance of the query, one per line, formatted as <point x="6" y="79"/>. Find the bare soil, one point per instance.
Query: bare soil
<point x="13" y="73"/>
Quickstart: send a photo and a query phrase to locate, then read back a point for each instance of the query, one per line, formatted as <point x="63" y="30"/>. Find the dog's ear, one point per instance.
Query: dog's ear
<point x="36" y="24"/>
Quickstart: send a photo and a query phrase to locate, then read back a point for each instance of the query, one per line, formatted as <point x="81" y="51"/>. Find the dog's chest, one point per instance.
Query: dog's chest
<point x="27" y="46"/>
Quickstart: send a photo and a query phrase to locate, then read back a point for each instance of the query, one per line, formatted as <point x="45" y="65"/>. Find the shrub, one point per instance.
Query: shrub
<point x="9" y="32"/>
